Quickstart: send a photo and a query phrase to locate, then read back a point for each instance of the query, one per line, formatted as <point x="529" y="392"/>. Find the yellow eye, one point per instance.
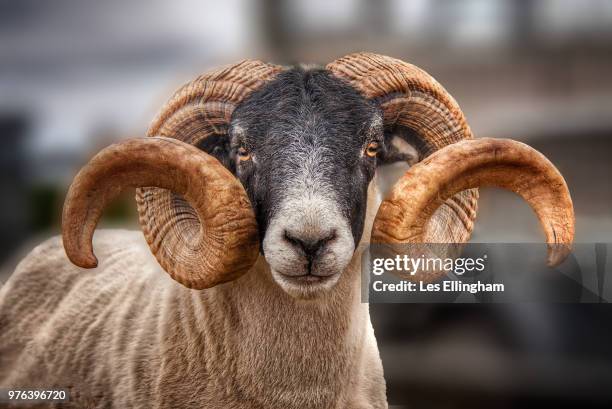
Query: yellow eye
<point x="243" y="154"/>
<point x="372" y="149"/>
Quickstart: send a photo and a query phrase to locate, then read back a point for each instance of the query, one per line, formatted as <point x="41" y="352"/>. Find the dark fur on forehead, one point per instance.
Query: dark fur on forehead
<point x="300" y="94"/>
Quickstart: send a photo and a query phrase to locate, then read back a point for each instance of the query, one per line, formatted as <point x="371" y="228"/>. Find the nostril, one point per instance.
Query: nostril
<point x="309" y="245"/>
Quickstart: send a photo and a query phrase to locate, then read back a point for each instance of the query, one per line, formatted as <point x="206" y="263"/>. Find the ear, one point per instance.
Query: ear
<point x="401" y="145"/>
<point x="400" y="153"/>
<point x="219" y="146"/>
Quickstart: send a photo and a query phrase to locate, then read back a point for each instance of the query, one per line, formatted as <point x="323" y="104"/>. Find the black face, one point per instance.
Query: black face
<point x="304" y="116"/>
<point x="305" y="148"/>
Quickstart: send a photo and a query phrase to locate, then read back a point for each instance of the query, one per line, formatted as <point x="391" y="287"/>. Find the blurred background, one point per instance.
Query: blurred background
<point x="76" y="75"/>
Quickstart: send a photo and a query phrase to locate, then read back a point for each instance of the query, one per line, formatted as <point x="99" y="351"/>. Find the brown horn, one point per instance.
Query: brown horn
<point x="226" y="245"/>
<point x="412" y="99"/>
<point x="414" y="199"/>
<point x="199" y="112"/>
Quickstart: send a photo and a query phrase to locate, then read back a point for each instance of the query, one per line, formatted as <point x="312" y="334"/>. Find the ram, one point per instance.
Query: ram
<point x="248" y="154"/>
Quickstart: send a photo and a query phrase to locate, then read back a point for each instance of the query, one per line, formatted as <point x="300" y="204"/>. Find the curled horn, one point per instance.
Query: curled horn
<point x="404" y="214"/>
<point x="226" y="245"/>
<point x="189" y="232"/>
<point x="411" y="99"/>
<point x="436" y="200"/>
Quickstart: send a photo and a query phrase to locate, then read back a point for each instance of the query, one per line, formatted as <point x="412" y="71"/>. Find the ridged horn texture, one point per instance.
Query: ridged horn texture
<point x="224" y="247"/>
<point x="194" y="214"/>
<point x="403" y="216"/>
<point x="411" y="98"/>
<point x="200" y="110"/>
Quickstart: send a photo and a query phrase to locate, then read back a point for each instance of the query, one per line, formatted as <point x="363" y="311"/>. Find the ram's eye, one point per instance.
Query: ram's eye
<point x="243" y="154"/>
<point x="372" y="149"/>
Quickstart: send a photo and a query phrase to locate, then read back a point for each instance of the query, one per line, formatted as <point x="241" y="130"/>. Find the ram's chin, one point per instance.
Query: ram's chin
<point x="306" y="286"/>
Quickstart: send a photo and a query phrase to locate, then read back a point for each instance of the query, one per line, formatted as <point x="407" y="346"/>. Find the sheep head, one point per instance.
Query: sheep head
<point x="256" y="153"/>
